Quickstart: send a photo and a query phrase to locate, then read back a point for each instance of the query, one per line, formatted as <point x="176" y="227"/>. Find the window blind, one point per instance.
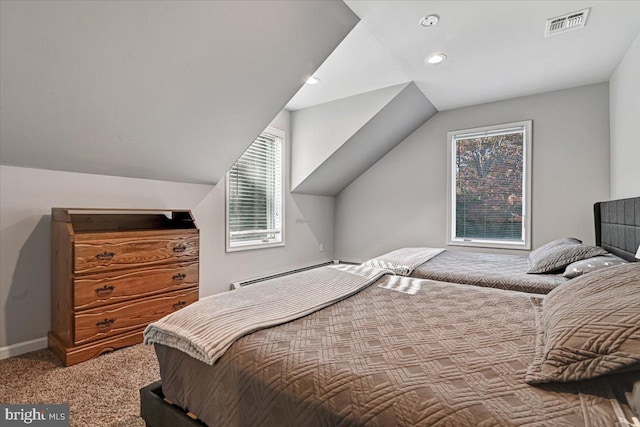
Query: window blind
<point x="489" y="185"/>
<point x="255" y="194"/>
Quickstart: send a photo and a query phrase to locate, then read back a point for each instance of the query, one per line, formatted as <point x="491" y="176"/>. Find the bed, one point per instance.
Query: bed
<point x="402" y="351"/>
<point x="499" y="271"/>
<point x="617" y="231"/>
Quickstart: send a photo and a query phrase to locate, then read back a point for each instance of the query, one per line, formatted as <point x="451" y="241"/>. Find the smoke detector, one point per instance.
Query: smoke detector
<point x="429" y="21"/>
<point x="566" y="23"/>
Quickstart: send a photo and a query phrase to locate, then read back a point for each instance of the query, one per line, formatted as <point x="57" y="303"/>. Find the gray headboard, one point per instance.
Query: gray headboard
<point x="618" y="226"/>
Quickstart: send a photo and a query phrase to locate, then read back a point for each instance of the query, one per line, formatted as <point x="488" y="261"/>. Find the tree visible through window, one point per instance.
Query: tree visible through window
<point x="489" y="194"/>
<point x="254" y="195"/>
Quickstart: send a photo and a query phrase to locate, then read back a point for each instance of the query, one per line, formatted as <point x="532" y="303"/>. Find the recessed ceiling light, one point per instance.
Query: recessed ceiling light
<point x="429" y="21"/>
<point x="435" y="58"/>
<point x="313" y="80"/>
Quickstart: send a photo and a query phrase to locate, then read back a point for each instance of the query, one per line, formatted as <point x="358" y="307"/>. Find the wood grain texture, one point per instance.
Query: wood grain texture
<point x="61" y="274"/>
<point x="95" y="253"/>
<point x="76" y="354"/>
<point x="101" y="289"/>
<point x="112" y="275"/>
<point x="60" y="214"/>
<point x="87" y="223"/>
<point x="91" y="325"/>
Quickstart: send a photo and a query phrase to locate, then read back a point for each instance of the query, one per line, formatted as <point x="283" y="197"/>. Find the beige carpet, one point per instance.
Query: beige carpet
<point x="101" y="392"/>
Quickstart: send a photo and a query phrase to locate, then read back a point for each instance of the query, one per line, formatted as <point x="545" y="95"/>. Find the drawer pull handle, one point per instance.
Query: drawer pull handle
<point x="105" y="325"/>
<point x="179" y="305"/>
<point x="179" y="276"/>
<point x="105" y="291"/>
<point x="180" y="248"/>
<point x="105" y="256"/>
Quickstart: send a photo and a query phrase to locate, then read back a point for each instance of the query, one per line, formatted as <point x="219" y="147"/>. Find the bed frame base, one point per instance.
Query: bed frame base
<point x="156" y="411"/>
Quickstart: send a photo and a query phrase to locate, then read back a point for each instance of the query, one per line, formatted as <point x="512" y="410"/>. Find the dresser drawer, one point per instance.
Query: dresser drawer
<point x="96" y="290"/>
<point x="95" y="253"/>
<point x="98" y="323"/>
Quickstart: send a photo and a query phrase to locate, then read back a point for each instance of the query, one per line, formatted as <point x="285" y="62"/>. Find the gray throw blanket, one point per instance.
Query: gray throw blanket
<point x="207" y="328"/>
<point x="403" y="261"/>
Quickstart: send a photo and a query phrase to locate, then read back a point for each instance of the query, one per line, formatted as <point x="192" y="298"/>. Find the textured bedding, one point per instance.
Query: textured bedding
<point x="206" y="329"/>
<point x="442" y="355"/>
<point x="403" y="261"/>
<point x="507" y="272"/>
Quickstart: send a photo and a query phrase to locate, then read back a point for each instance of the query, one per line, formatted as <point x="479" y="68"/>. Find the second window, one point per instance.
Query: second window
<point x="255" y="195"/>
<point x="490" y="186"/>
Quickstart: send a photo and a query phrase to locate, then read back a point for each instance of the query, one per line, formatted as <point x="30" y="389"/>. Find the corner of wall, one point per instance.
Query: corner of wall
<point x="624" y="110"/>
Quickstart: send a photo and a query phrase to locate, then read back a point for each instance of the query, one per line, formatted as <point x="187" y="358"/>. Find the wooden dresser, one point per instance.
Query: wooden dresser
<point x="115" y="271"/>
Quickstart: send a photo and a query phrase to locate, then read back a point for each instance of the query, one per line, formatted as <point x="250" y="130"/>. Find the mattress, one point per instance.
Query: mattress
<point x="444" y="354"/>
<point x="507" y="272"/>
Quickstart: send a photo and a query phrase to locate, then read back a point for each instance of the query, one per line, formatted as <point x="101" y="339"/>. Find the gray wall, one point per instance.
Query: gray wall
<point x="26" y="198"/>
<point x="372" y="140"/>
<point x="318" y="131"/>
<point x="401" y="200"/>
<point x="624" y="97"/>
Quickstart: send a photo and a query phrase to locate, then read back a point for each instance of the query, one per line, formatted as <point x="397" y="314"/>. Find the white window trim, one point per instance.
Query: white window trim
<point x="526" y="200"/>
<point x="253" y="246"/>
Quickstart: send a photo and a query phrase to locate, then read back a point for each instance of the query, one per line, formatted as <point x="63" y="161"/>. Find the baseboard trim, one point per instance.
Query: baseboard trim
<point x="22" y="347"/>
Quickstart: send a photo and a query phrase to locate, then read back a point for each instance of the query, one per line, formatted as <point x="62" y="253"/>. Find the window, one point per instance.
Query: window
<point x="255" y="207"/>
<point x="490" y="186"/>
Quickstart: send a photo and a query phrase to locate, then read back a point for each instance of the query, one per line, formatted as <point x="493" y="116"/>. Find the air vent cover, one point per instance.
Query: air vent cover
<point x="565" y="23"/>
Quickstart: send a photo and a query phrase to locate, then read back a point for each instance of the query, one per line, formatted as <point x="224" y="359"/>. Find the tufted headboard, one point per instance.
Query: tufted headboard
<point x="618" y="226"/>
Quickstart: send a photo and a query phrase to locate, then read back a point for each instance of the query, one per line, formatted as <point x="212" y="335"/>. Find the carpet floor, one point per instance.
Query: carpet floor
<point x="104" y="391"/>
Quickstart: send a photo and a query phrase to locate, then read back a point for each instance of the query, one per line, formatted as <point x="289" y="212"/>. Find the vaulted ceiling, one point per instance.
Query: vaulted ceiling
<point x="163" y="90"/>
<point x="495" y="50"/>
<point x="329" y="152"/>
<point x="178" y="90"/>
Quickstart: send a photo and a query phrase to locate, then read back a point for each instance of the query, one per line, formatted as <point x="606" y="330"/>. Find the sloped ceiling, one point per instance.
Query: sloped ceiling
<point x="318" y="131"/>
<point x="364" y="106"/>
<point x="351" y="154"/>
<point x="163" y="90"/>
<point x="496" y="49"/>
<point x="358" y="65"/>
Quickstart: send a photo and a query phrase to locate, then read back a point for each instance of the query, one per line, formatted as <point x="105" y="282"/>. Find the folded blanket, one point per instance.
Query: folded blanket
<point x="206" y="329"/>
<point x="403" y="261"/>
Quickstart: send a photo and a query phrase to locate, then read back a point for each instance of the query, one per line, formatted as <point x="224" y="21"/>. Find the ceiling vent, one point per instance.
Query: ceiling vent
<point x="565" y="23"/>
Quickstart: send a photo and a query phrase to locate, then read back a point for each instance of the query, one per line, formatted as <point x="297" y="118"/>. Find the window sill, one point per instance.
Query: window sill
<point x="253" y="247"/>
<point x="490" y="244"/>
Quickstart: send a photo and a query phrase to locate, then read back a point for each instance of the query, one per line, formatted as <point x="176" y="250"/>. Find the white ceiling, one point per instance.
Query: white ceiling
<point x="178" y="90"/>
<point x="169" y="90"/>
<point x="358" y="65"/>
<point x="496" y="49"/>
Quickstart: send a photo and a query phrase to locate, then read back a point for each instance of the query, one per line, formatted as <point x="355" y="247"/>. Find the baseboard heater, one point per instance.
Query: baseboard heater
<point x="242" y="283"/>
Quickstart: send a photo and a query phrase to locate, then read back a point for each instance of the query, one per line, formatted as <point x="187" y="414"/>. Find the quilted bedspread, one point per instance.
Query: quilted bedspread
<point x="489" y="270"/>
<point x="205" y="330"/>
<point x="443" y="354"/>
